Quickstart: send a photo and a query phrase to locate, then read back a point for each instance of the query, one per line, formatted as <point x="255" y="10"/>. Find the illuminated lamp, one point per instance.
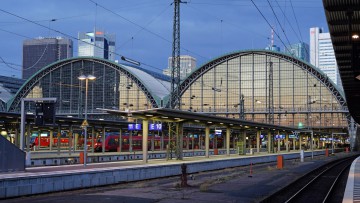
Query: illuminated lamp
<point x="355" y="36"/>
<point x="3" y="133"/>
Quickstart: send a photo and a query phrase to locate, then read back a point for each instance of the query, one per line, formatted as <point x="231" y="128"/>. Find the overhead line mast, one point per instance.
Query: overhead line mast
<point x="175" y="62"/>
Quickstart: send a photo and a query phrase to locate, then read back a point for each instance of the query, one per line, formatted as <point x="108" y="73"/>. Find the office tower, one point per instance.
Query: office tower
<point x="187" y="64"/>
<point x="272" y="48"/>
<point x="322" y="54"/>
<point x="97" y="44"/>
<point x="40" y="52"/>
<point x="299" y="50"/>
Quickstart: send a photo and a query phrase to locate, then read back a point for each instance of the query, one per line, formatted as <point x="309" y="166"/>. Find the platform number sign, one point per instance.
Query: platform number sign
<point x="155" y="126"/>
<point x="134" y="126"/>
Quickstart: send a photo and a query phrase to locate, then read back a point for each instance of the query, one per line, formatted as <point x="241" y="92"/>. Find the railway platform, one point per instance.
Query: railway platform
<point x="37" y="180"/>
<point x="352" y="190"/>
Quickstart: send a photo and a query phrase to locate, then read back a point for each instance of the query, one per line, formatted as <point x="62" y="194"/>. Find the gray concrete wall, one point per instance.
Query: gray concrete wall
<point x="30" y="183"/>
<point x="11" y="157"/>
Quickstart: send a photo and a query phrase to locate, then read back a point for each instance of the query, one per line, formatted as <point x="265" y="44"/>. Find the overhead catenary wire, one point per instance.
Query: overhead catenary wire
<point x="277" y="19"/>
<point x="270" y="26"/>
<point x="144" y="28"/>
<point x="70" y="36"/>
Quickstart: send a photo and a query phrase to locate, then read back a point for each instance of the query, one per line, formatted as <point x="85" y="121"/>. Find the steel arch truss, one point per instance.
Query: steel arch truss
<point x="14" y="104"/>
<point x="308" y="68"/>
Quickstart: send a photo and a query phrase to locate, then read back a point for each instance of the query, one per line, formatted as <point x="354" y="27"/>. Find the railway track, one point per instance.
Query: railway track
<point x="319" y="185"/>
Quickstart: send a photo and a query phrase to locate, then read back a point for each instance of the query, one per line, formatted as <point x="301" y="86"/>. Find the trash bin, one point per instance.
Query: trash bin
<point x="280" y="162"/>
<point x="81" y="157"/>
<point x="216" y="151"/>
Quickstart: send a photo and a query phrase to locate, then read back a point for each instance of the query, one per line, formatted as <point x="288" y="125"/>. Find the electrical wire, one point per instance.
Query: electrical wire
<point x="69" y="36"/>
<point x="277" y="19"/>
<point x="270" y="26"/>
<point x="144" y="28"/>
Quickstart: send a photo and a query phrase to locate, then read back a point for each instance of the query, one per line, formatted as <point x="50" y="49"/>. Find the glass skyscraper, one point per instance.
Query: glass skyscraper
<point x="97" y="44"/>
<point x="187" y="64"/>
<point x="322" y="54"/>
<point x="40" y="52"/>
<point x="299" y="50"/>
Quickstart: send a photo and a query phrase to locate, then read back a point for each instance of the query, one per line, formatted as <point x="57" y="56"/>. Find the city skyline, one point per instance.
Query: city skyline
<point x="144" y="31"/>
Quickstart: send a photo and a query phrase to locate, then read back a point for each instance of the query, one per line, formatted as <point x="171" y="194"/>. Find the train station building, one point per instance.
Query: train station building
<point x="257" y="86"/>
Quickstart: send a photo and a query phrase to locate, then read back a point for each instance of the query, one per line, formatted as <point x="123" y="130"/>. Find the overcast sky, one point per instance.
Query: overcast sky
<point x="143" y="28"/>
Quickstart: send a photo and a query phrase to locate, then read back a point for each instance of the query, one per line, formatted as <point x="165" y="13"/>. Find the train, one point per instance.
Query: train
<point x="112" y="142"/>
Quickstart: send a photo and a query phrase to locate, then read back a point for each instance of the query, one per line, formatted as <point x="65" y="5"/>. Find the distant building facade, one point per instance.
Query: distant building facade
<point x="299" y="50"/>
<point x="322" y="54"/>
<point x="97" y="44"/>
<point x="272" y="48"/>
<point x="40" y="52"/>
<point x="187" y="64"/>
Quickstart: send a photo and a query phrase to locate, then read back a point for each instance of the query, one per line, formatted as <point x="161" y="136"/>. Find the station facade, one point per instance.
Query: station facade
<point x="257" y="85"/>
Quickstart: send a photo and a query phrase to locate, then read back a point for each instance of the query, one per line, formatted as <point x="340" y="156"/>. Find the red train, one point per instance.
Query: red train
<point x="112" y="142"/>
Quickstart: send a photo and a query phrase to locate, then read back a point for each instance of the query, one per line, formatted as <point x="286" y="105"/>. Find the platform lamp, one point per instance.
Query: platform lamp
<point x="86" y="78"/>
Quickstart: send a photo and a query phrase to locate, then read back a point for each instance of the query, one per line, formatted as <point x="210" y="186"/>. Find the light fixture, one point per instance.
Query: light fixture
<point x="355" y="36"/>
<point x="358" y="77"/>
<point x="148" y="115"/>
<point x="101" y="119"/>
<point x="209" y="122"/>
<point x="164" y="117"/>
<point x="197" y="121"/>
<point x="257" y="101"/>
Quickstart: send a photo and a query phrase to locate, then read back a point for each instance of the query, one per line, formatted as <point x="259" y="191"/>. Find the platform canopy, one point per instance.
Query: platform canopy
<point x="343" y="18"/>
<point x="171" y="115"/>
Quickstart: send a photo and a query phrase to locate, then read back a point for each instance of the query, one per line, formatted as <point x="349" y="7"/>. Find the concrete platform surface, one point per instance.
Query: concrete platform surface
<point x="228" y="185"/>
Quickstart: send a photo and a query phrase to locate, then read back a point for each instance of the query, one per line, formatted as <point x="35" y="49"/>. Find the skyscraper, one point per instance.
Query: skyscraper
<point x="98" y="44"/>
<point x="322" y="54"/>
<point x="40" y="52"/>
<point x="299" y="50"/>
<point x="187" y="64"/>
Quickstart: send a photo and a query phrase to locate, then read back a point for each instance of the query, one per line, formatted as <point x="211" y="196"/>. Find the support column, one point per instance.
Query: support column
<point x="103" y="140"/>
<point x="145" y="123"/>
<point x="244" y="142"/>
<point x="17" y="137"/>
<point x="228" y="141"/>
<point x="207" y="136"/>
<point x="70" y="139"/>
<point x="179" y="140"/>
<point x="77" y="141"/>
<point x="294" y="143"/>
<point x="300" y="140"/>
<point x="162" y="141"/>
<point x="28" y="136"/>
<point x="51" y="139"/>
<point x="92" y="138"/>
<point x="287" y="141"/>
<point x="58" y="135"/>
<point x="130" y="141"/>
<point x="120" y="140"/>
<point x="278" y="143"/>
<point x="269" y="142"/>
<point x="258" y="133"/>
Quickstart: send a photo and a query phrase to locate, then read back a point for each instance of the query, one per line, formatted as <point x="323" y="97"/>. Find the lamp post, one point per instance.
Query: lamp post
<point x="86" y="78"/>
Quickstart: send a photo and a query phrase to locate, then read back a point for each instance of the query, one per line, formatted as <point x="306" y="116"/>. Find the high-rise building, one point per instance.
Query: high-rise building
<point x="40" y="52"/>
<point x="299" y="50"/>
<point x="272" y="48"/>
<point x="187" y="64"/>
<point x="98" y="44"/>
<point x="322" y="54"/>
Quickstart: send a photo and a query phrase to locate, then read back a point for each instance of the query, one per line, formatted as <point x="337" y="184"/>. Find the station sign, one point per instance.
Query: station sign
<point x="218" y="132"/>
<point x="155" y="126"/>
<point x="134" y="126"/>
